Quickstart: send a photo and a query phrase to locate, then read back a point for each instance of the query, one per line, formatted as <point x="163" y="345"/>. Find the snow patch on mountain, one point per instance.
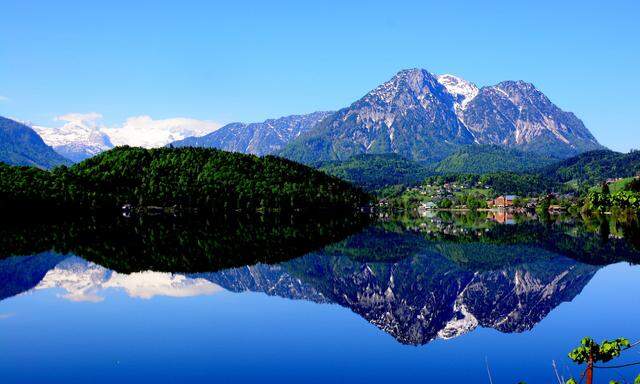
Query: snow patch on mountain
<point x="462" y="90"/>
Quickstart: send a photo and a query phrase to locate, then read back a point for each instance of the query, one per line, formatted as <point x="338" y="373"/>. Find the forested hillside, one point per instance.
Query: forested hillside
<point x="595" y="167"/>
<point x="184" y="177"/>
<point x="577" y="174"/>
<point x="373" y="172"/>
<point x="491" y="158"/>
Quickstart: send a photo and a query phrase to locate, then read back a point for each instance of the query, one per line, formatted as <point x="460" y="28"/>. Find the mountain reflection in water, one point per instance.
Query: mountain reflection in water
<point x="417" y="281"/>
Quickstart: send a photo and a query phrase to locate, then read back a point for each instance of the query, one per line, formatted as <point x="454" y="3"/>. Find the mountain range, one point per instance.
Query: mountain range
<point x="75" y="141"/>
<point x="263" y="138"/>
<point x="417" y="115"/>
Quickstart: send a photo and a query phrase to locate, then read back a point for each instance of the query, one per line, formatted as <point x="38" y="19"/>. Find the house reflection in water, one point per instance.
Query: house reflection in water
<point x="501" y="217"/>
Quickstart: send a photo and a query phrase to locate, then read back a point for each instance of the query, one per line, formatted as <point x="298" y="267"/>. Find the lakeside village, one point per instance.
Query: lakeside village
<point x="430" y="198"/>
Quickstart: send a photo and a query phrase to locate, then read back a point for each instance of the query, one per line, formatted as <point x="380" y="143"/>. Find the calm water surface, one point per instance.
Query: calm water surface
<point x="432" y="300"/>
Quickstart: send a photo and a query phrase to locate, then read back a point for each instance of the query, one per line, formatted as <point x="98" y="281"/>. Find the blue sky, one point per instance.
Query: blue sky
<point x="249" y="60"/>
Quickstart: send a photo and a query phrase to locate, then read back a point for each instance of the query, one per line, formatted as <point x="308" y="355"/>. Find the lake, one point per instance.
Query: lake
<point x="443" y="298"/>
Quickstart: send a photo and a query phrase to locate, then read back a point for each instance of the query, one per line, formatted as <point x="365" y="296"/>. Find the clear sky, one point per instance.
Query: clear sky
<point x="251" y="60"/>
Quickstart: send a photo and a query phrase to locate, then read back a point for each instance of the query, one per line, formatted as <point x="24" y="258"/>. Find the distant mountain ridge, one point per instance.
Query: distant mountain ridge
<point x="21" y="145"/>
<point x="76" y="142"/>
<point x="259" y="139"/>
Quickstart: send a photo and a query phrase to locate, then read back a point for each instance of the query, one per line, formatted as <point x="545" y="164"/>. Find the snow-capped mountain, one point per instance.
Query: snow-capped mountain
<point x="83" y="135"/>
<point x="426" y="117"/>
<point x="74" y="140"/>
<point x="256" y="138"/>
<point x="412" y="114"/>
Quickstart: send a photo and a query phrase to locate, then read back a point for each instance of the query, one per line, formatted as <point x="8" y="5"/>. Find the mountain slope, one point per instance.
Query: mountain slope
<point x="426" y="118"/>
<point x="516" y="114"/>
<point x="21" y="145"/>
<point x="256" y="138"/>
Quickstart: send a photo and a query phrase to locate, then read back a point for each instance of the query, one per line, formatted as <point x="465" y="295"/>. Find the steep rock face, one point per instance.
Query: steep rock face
<point x="517" y="114"/>
<point x="21" y="145"/>
<point x="412" y="114"/>
<point x="256" y="138"/>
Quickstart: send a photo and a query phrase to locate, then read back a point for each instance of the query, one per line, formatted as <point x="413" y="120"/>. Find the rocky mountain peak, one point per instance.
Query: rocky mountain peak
<point x="407" y="87"/>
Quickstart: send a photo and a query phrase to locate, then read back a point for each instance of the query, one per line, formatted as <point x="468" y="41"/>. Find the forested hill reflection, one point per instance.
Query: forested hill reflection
<point x="417" y="281"/>
<point x="191" y="244"/>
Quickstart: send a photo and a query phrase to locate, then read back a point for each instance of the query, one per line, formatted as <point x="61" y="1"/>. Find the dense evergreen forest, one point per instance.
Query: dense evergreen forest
<point x="591" y="168"/>
<point x="481" y="159"/>
<point x="380" y="172"/>
<point x="201" y="178"/>
<point x="373" y="172"/>
<point x="506" y="171"/>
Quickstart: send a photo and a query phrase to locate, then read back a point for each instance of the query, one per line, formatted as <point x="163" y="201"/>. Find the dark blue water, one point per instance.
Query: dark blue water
<point x="329" y="316"/>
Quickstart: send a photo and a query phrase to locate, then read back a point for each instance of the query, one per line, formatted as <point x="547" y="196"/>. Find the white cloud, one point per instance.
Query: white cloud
<point x="90" y="119"/>
<point x="144" y="131"/>
<point x="4" y="98"/>
<point x="4" y="316"/>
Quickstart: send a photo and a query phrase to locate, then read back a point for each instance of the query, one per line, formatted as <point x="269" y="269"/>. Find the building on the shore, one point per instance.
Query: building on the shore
<point x="504" y="201"/>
